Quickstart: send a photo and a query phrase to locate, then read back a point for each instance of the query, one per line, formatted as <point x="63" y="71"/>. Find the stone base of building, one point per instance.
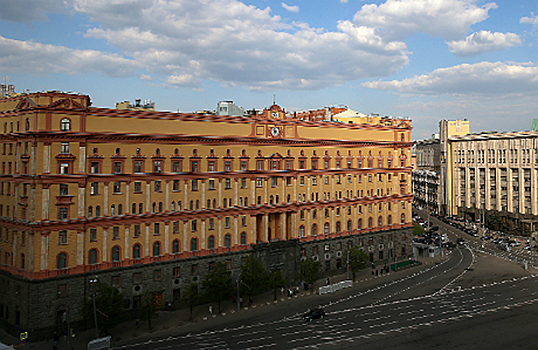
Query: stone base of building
<point x="44" y="306"/>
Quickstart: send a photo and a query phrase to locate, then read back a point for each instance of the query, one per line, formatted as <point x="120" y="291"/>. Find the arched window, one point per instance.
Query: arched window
<point x="370" y="222"/>
<point x="227" y="241"/>
<point x="211" y="242"/>
<point x="246" y="201"/>
<point x="224" y="202"/>
<point x="403" y="218"/>
<point x="90" y="211"/>
<point x="349" y="225"/>
<point x="65" y="124"/>
<point x="389" y="220"/>
<point x="140" y="208"/>
<point x="243" y="238"/>
<point x="314" y="230"/>
<point x="98" y="211"/>
<point x="301" y="231"/>
<point x="116" y="253"/>
<point x="62" y="261"/>
<point x="23" y="262"/>
<point x="27" y="124"/>
<point x="112" y="210"/>
<point x="194" y="244"/>
<point x="160" y="207"/>
<point x="136" y="251"/>
<point x="175" y="246"/>
<point x="92" y="256"/>
<point x="173" y="206"/>
<point x="134" y="208"/>
<point x="156" y="249"/>
<point x="380" y="221"/>
<point x="154" y="207"/>
<point x="359" y="225"/>
<point x="326" y="228"/>
<point x="214" y="203"/>
<point x="271" y="200"/>
<point x="338" y="227"/>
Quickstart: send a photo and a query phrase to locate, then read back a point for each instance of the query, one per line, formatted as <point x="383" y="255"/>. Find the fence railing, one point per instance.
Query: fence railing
<point x="335" y="287"/>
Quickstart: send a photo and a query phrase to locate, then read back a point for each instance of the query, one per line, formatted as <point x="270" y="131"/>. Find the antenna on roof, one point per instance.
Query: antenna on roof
<point x="274" y="98"/>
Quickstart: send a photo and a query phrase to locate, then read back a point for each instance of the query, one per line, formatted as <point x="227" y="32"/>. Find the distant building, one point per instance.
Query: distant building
<point x="6" y="90"/>
<point x="137" y="106"/>
<point x="229" y="108"/>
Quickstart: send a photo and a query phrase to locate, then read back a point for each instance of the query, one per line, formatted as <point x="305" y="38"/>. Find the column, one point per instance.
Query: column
<point x="185" y="236"/>
<point x="167" y="196"/>
<point x="31" y="238"/>
<point x="80" y="247"/>
<point x="126" y="244"/>
<point x="105" y="199"/>
<point x="46" y="157"/>
<point x="81" y="199"/>
<point x="104" y="253"/>
<point x="45" y="251"/>
<point x="202" y="236"/>
<point x="265" y="228"/>
<point x="127" y="197"/>
<point x="82" y="158"/>
<point x="236" y="194"/>
<point x="220" y="194"/>
<point x="236" y="229"/>
<point x="253" y="192"/>
<point x="219" y="234"/>
<point x="148" y="196"/>
<point x="253" y="229"/>
<point x="186" y="202"/>
<point x="294" y="225"/>
<point x="265" y="190"/>
<point x="147" y="240"/>
<point x="203" y="206"/>
<point x="294" y="199"/>
<point x="45" y="201"/>
<point x="308" y="191"/>
<point x="167" y="237"/>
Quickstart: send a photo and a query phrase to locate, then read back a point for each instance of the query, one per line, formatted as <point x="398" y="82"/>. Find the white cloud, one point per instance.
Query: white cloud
<point x="484" y="78"/>
<point x="449" y="19"/>
<point x="533" y="19"/>
<point x="35" y="58"/>
<point x="290" y="8"/>
<point x="483" y="41"/>
<point x="28" y="10"/>
<point x="230" y="42"/>
<point x="344" y="1"/>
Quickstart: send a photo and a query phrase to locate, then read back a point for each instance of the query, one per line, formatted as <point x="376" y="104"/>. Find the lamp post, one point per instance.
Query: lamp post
<point x="94" y="281"/>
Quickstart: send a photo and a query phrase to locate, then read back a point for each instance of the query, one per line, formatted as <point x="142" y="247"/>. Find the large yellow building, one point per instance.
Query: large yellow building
<point x="147" y="201"/>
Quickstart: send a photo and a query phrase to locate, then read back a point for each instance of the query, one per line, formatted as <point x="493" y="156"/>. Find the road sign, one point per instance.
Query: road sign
<point x="23" y="337"/>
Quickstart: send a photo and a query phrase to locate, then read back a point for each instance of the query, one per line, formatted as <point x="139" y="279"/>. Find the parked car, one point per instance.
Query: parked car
<point x="314" y="314"/>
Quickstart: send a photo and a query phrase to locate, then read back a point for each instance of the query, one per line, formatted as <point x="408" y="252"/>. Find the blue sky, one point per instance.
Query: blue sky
<point x="423" y="59"/>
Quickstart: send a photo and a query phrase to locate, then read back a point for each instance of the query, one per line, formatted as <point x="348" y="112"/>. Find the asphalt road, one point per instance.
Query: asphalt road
<point x="443" y="306"/>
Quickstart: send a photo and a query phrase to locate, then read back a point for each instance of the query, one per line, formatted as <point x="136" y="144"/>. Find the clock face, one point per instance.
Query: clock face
<point x="274" y="115"/>
<point x="275" y="131"/>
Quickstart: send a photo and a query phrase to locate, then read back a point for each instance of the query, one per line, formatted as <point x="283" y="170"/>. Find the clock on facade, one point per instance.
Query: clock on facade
<point x="274" y="115"/>
<point x="275" y="131"/>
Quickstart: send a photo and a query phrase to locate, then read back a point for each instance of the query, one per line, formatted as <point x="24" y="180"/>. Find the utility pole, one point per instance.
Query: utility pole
<point x="93" y="281"/>
<point x="348" y="264"/>
<point x="238" y="304"/>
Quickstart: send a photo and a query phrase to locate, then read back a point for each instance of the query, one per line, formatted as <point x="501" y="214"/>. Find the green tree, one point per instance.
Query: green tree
<point x="218" y="284"/>
<point x="108" y="304"/>
<point x="358" y="260"/>
<point x="276" y="280"/>
<point x="310" y="270"/>
<point x="254" y="277"/>
<point x="149" y="307"/>
<point x="190" y="297"/>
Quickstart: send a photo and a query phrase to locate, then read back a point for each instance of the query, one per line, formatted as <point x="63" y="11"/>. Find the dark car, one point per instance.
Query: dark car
<point x="314" y="314"/>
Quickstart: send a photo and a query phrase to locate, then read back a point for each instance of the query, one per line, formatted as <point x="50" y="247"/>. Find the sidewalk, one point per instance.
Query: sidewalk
<point x="168" y="322"/>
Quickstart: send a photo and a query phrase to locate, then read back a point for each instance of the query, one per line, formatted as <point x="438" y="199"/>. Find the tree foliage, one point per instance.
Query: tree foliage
<point x="109" y="306"/>
<point x="358" y="259"/>
<point x="218" y="284"/>
<point x="190" y="297"/>
<point x="149" y="307"/>
<point x="276" y="280"/>
<point x="254" y="277"/>
<point x="310" y="270"/>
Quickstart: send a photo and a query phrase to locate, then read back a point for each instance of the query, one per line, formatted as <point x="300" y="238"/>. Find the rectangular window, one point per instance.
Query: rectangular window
<point x="194" y="185"/>
<point x="175" y="185"/>
<point x="157" y="186"/>
<point x="62" y="213"/>
<point x="94" y="167"/>
<point x="259" y="165"/>
<point x="288" y="165"/>
<point x="314" y="180"/>
<point x="211" y="224"/>
<point x="64" y="190"/>
<point x="137" y="278"/>
<point x="117" y="187"/>
<point x="259" y="182"/>
<point x="136" y="231"/>
<point x="94" y="188"/>
<point x="314" y="164"/>
<point x="301" y="180"/>
<point x="137" y="167"/>
<point x="156" y="229"/>
<point x="194" y="269"/>
<point x="227" y="183"/>
<point x="227" y="166"/>
<point x="62" y="237"/>
<point x="288" y="181"/>
<point x="177" y="272"/>
<point x="243" y="165"/>
<point x="211" y="166"/>
<point x="227" y="222"/>
<point x="211" y="184"/>
<point x="116" y="281"/>
<point x="137" y="187"/>
<point x="175" y="227"/>
<point x="194" y="166"/>
<point x="326" y="180"/>
<point x="64" y="168"/>
<point x="193" y="226"/>
<point x="62" y="290"/>
<point x="64" y="147"/>
<point x="157" y="167"/>
<point x="157" y="275"/>
<point x="175" y="167"/>
<point x="274" y="181"/>
<point x="117" y="167"/>
<point x="243" y="182"/>
<point x="116" y="232"/>
<point x="93" y="235"/>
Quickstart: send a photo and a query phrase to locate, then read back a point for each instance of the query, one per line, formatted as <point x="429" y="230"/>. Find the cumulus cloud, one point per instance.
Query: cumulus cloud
<point x="483" y="41"/>
<point x="449" y="19"/>
<point x="484" y="78"/>
<point x="290" y="8"/>
<point x="28" y="10"/>
<point x="39" y="58"/>
<point x="533" y="19"/>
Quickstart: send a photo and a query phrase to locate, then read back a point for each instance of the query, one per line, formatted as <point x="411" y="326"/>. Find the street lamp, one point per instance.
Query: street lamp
<point x="93" y="283"/>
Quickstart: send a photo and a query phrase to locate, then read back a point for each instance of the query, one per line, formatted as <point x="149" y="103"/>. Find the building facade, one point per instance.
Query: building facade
<point x="496" y="174"/>
<point x="148" y="201"/>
